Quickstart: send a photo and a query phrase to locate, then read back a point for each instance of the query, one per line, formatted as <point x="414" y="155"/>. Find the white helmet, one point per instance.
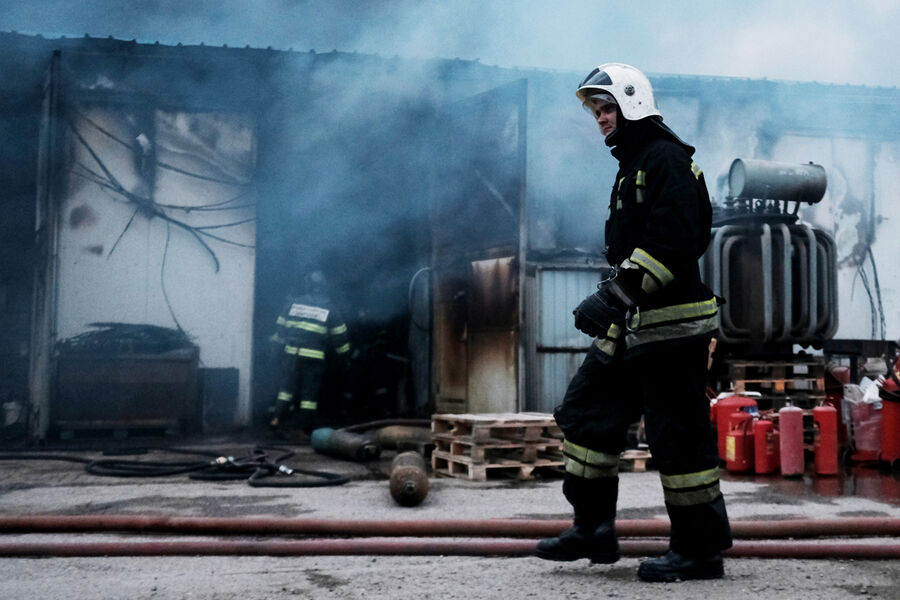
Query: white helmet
<point x="629" y="87"/>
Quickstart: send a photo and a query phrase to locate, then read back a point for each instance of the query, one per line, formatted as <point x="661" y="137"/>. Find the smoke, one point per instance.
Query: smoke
<point x="805" y="40"/>
<point x="349" y="145"/>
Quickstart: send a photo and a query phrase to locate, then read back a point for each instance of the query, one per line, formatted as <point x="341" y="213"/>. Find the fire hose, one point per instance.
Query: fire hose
<point x="255" y="467"/>
<point x="406" y="548"/>
<point x="408" y="529"/>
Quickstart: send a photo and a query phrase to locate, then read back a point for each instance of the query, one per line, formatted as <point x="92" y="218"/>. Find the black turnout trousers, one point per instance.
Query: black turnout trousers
<point x="667" y="384"/>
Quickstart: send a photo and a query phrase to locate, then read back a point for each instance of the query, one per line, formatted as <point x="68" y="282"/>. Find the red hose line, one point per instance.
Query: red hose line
<point x="421" y="528"/>
<point x="354" y="547"/>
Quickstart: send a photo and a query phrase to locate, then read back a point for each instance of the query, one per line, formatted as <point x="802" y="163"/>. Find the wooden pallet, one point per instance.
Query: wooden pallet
<point x="634" y="460"/>
<point x="463" y="467"/>
<point x="488" y="426"/>
<point x="494" y="449"/>
<point x="803" y="380"/>
<point x="477" y="446"/>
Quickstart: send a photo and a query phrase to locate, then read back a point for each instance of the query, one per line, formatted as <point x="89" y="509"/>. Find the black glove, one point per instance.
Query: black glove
<point x="598" y="311"/>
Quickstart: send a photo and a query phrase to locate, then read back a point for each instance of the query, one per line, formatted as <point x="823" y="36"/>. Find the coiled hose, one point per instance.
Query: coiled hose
<point x="256" y="467"/>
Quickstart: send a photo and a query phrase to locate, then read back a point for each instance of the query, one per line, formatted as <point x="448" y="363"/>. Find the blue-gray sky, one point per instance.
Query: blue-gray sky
<point x="831" y="41"/>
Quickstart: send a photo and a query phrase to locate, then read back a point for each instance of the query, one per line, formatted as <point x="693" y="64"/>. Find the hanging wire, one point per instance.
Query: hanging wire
<point x="162" y="279"/>
<point x="877" y="321"/>
<point x="111" y="186"/>
<point x="882" y="321"/>
<point x="121" y="235"/>
<point x="861" y="275"/>
<point x="160" y="164"/>
<point x="214" y="206"/>
<point x="109" y="181"/>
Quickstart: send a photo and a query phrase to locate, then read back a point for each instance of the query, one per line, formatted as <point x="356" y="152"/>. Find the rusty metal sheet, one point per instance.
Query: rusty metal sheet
<point x="492" y="372"/>
<point x="450" y="338"/>
<point x="493" y="294"/>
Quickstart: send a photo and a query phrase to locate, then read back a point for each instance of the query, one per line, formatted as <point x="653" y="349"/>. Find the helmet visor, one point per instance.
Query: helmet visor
<point x="596" y="77"/>
<point x="594" y="102"/>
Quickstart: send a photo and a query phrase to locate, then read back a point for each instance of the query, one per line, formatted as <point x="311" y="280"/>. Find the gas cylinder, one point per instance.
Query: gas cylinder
<point x="723" y="409"/>
<point x="825" y="445"/>
<point x="409" y="481"/>
<point x="790" y="431"/>
<point x="739" y="443"/>
<point x="765" y="447"/>
<point x="890" y="421"/>
<point x="343" y="444"/>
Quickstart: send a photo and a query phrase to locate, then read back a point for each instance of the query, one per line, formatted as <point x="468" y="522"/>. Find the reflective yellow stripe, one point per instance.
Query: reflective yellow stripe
<point x="588" y="472"/>
<point x="339" y="329"/>
<point x="657" y="269"/>
<point x="695" y="169"/>
<point x="639" y="186"/>
<point x="305" y="352"/>
<point x="672" y="332"/>
<point x="589" y="464"/>
<point x="305" y="325"/>
<point x="692" y="498"/>
<point x="285" y="396"/>
<point x="649" y="284"/>
<point x="689" y="489"/>
<point x="343" y="348"/>
<point x="676" y="312"/>
<point x="308" y="405"/>
<point x="606" y="346"/>
<point x="688" y="480"/>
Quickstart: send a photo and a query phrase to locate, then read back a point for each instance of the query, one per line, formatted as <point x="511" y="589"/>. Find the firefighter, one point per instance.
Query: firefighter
<point x="652" y="320"/>
<point x="309" y="331"/>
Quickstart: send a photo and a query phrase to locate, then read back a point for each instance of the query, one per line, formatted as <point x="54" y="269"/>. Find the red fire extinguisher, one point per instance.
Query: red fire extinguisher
<point x="825" y="444"/>
<point x="790" y="431"/>
<point x="890" y="417"/>
<point x="765" y="447"/>
<point x="722" y="412"/>
<point x="739" y="442"/>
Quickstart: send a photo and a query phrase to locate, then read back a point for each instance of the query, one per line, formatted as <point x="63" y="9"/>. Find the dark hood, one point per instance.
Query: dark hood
<point x="626" y="140"/>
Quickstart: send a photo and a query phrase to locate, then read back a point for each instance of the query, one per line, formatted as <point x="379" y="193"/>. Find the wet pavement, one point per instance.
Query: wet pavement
<point x="61" y="487"/>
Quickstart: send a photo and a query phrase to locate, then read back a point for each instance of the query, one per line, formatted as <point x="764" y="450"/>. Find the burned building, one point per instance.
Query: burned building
<point x="456" y="209"/>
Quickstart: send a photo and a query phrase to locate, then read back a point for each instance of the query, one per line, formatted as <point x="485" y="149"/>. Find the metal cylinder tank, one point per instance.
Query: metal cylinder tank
<point x="763" y="179"/>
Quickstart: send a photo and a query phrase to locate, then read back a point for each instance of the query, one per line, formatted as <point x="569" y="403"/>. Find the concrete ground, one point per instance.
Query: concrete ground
<point x="54" y="487"/>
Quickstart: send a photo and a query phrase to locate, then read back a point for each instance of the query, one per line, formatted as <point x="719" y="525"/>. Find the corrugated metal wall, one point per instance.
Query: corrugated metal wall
<point x="559" y="348"/>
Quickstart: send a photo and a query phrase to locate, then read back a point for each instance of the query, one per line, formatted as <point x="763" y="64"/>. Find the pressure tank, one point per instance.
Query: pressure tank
<point x="790" y="432"/>
<point x="825" y="444"/>
<point x="739" y="443"/>
<point x="343" y="444"/>
<point x="409" y="481"/>
<point x="751" y="179"/>
<point x="765" y="447"/>
<point x="890" y="422"/>
<point x="723" y="409"/>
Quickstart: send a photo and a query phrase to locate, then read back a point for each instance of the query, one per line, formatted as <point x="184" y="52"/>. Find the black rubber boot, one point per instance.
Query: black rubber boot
<point x="598" y="544"/>
<point x="675" y="567"/>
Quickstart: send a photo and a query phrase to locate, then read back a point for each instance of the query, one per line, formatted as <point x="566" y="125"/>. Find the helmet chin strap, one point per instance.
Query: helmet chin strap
<point x="621" y="123"/>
